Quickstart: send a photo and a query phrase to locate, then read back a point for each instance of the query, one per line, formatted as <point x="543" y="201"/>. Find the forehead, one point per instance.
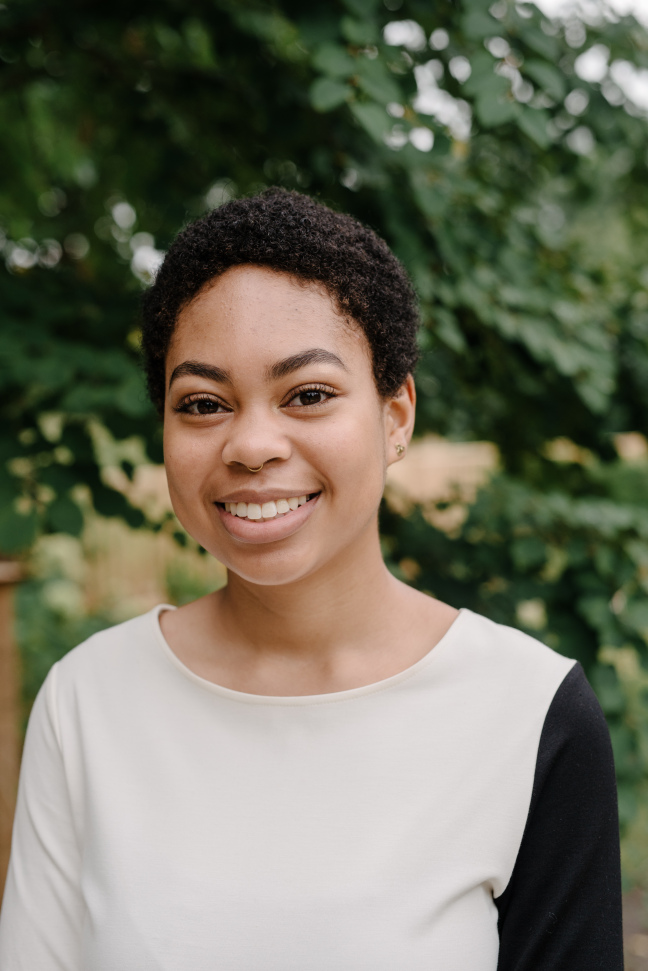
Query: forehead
<point x="252" y="309"/>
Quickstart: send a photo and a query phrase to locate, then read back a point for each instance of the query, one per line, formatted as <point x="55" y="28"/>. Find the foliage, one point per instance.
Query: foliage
<point x="184" y="584"/>
<point x="626" y="696"/>
<point x="497" y="153"/>
<point x="45" y="633"/>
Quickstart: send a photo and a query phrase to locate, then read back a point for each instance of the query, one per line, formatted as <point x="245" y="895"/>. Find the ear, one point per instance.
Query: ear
<point x="399" y="420"/>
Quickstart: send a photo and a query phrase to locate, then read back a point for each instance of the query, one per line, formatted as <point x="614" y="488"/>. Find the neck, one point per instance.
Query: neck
<point x="333" y="607"/>
<point x="345" y="625"/>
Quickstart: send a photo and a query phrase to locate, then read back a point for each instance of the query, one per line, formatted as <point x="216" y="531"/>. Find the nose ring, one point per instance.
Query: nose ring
<point x="255" y="470"/>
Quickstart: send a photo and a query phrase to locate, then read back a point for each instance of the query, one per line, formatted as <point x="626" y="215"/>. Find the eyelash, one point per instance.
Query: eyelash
<point x="322" y="388"/>
<point x="195" y="399"/>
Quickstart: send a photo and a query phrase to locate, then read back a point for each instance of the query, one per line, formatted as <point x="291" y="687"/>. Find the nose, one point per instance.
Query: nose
<point x="255" y="439"/>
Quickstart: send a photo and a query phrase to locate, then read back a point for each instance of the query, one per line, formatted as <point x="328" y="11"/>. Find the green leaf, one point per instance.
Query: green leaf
<point x="17" y="531"/>
<point x="478" y="24"/>
<point x="482" y="65"/>
<point x="622" y="746"/>
<point x="548" y="77"/>
<point x="199" y="42"/>
<point x="596" y="610"/>
<point x="447" y="330"/>
<point x="361" y="8"/>
<point x="270" y="26"/>
<point x="326" y="94"/>
<point x="334" y="60"/>
<point x="109" y="502"/>
<point x="608" y="690"/>
<point x="376" y="81"/>
<point x="64" y="516"/>
<point x="635" y="616"/>
<point x="359" y="32"/>
<point x="487" y="82"/>
<point x="492" y="111"/>
<point x="539" y="42"/>
<point x="528" y="552"/>
<point x="627" y="795"/>
<point x="134" y="517"/>
<point x="432" y="197"/>
<point x="374" y="119"/>
<point x="9" y="488"/>
<point x="59" y="478"/>
<point x="131" y="397"/>
<point x="533" y="122"/>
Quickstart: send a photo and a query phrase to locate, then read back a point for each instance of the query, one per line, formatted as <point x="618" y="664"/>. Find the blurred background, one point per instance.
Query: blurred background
<point x="501" y="149"/>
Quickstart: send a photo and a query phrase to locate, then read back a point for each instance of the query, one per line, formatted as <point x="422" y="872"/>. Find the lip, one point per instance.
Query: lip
<point x="249" y="495"/>
<point x="270" y="530"/>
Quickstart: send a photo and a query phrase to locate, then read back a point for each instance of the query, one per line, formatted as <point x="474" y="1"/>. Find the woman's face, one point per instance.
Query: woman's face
<point x="263" y="370"/>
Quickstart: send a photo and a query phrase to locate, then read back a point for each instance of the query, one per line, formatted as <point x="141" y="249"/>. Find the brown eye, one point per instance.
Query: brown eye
<point x="201" y="406"/>
<point x="309" y="397"/>
<point x="204" y="407"/>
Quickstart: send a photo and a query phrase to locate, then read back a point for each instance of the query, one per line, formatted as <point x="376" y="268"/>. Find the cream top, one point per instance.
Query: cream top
<point x="167" y="823"/>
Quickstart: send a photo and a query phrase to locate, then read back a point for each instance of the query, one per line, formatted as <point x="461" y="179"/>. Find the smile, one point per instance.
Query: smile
<point x="273" y="509"/>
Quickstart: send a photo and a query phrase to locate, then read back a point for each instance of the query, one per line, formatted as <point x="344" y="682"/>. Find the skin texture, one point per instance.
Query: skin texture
<point x="309" y="606"/>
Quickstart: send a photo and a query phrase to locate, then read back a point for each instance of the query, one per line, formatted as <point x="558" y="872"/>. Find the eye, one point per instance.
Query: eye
<point x="307" y="397"/>
<point x="201" y="406"/>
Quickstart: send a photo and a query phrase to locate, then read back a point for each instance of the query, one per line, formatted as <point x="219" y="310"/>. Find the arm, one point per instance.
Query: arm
<point x="561" y="910"/>
<point x="42" y="912"/>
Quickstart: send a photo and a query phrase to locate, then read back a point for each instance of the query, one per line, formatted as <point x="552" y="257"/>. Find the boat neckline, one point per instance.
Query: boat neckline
<point x="330" y="697"/>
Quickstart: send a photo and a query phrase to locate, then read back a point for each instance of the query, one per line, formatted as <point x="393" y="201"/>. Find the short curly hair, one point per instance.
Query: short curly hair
<point x="291" y="233"/>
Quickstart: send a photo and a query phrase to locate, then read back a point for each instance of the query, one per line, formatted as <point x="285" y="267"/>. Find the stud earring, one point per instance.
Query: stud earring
<point x="399" y="449"/>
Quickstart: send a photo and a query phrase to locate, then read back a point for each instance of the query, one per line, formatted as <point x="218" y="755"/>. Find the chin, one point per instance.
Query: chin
<point x="289" y="560"/>
<point x="271" y="564"/>
<point x="275" y="568"/>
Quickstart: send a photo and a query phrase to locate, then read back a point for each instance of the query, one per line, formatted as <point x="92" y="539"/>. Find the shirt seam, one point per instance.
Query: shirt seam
<point x="535" y="769"/>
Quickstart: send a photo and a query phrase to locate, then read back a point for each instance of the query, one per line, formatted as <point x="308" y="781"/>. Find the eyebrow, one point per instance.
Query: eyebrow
<point x="199" y="370"/>
<point x="316" y="355"/>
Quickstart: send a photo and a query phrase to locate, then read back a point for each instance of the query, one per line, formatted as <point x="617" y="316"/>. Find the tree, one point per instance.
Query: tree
<point x="498" y="154"/>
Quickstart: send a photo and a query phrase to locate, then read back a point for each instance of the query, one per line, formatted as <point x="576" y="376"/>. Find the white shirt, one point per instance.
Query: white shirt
<point x="165" y="823"/>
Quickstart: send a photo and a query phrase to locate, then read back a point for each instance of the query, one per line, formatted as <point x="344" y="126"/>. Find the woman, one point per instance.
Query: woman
<point x="316" y="767"/>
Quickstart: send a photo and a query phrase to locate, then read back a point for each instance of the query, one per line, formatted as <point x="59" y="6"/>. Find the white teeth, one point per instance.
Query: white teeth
<point x="268" y="510"/>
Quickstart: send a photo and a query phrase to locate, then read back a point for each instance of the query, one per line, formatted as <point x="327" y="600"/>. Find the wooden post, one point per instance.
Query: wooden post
<point x="10" y="574"/>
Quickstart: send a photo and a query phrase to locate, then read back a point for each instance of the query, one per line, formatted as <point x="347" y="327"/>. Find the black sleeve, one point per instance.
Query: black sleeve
<point x="561" y="910"/>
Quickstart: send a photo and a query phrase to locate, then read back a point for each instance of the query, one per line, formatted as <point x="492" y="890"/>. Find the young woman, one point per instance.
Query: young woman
<point x="316" y="767"/>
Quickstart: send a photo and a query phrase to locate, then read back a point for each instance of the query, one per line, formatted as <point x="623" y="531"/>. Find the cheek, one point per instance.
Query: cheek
<point x="186" y="461"/>
<point x="356" y="455"/>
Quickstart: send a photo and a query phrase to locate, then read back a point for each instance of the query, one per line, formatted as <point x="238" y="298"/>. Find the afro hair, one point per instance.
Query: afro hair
<point x="291" y="233"/>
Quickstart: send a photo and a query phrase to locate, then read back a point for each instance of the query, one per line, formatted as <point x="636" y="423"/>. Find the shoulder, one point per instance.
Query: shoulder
<point x="575" y="740"/>
<point x="574" y="785"/>
<point x="508" y="644"/>
<point x="505" y="660"/>
<point x="110" y="653"/>
<point x="103" y="681"/>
